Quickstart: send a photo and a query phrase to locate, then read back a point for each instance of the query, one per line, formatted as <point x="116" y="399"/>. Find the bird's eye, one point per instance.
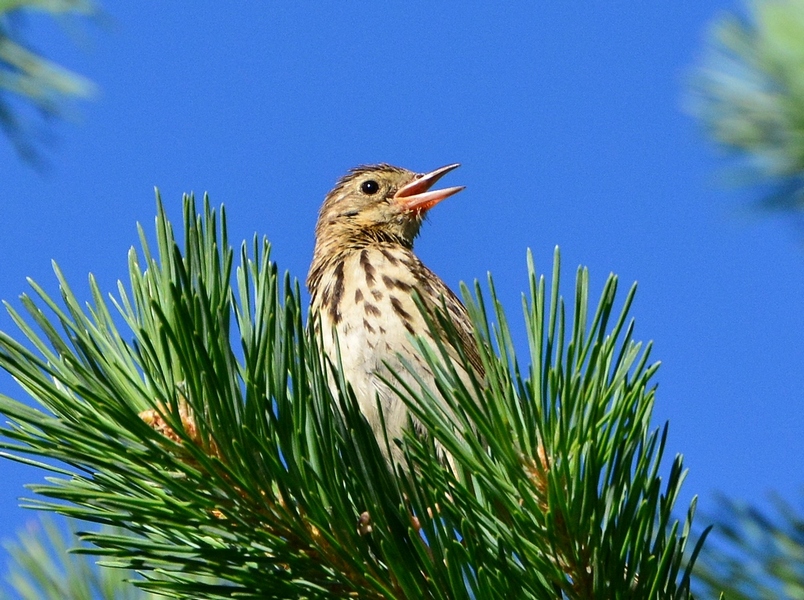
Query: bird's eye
<point x="369" y="187"/>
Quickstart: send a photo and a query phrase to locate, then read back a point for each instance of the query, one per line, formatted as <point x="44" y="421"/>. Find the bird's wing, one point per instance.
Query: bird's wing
<point x="436" y="298"/>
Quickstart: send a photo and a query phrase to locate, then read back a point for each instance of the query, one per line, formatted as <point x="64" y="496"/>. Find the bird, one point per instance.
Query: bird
<point x="363" y="280"/>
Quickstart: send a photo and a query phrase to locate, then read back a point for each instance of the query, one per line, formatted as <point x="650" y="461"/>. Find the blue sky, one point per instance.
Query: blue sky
<point x="568" y="123"/>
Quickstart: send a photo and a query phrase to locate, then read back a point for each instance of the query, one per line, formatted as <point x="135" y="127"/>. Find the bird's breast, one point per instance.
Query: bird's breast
<point x="365" y="300"/>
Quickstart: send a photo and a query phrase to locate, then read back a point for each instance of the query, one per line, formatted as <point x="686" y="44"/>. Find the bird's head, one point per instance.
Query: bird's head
<point x="380" y="202"/>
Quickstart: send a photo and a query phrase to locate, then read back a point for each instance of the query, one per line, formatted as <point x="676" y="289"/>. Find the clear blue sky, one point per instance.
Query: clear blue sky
<point x="570" y="129"/>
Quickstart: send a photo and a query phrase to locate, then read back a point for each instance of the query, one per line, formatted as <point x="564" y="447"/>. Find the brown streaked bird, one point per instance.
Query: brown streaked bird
<point x="362" y="281"/>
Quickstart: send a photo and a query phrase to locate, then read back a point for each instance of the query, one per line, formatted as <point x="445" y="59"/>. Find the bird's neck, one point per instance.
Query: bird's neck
<point x="330" y="252"/>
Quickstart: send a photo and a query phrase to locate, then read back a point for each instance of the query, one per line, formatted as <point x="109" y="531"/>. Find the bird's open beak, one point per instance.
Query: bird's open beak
<point x="416" y="196"/>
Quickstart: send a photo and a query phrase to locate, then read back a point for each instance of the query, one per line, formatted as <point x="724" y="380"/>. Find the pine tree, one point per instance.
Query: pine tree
<point x="192" y="411"/>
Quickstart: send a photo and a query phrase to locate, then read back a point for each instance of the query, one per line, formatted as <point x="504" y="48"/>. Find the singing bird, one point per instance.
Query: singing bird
<point x="363" y="279"/>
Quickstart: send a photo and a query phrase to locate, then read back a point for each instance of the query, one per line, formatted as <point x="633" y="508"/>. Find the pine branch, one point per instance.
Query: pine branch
<point x="42" y="568"/>
<point x="755" y="554"/>
<point x="28" y="76"/>
<point x="194" y="411"/>
<point x="749" y="93"/>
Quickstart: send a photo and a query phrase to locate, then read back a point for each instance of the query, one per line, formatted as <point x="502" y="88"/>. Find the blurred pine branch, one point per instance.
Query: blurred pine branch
<point x="756" y="554"/>
<point x="29" y="80"/>
<point x="193" y="411"/>
<point x="749" y="95"/>
<point x="42" y="568"/>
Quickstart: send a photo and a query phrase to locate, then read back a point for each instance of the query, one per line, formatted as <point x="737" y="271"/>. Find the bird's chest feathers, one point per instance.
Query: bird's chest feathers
<point x="367" y="300"/>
